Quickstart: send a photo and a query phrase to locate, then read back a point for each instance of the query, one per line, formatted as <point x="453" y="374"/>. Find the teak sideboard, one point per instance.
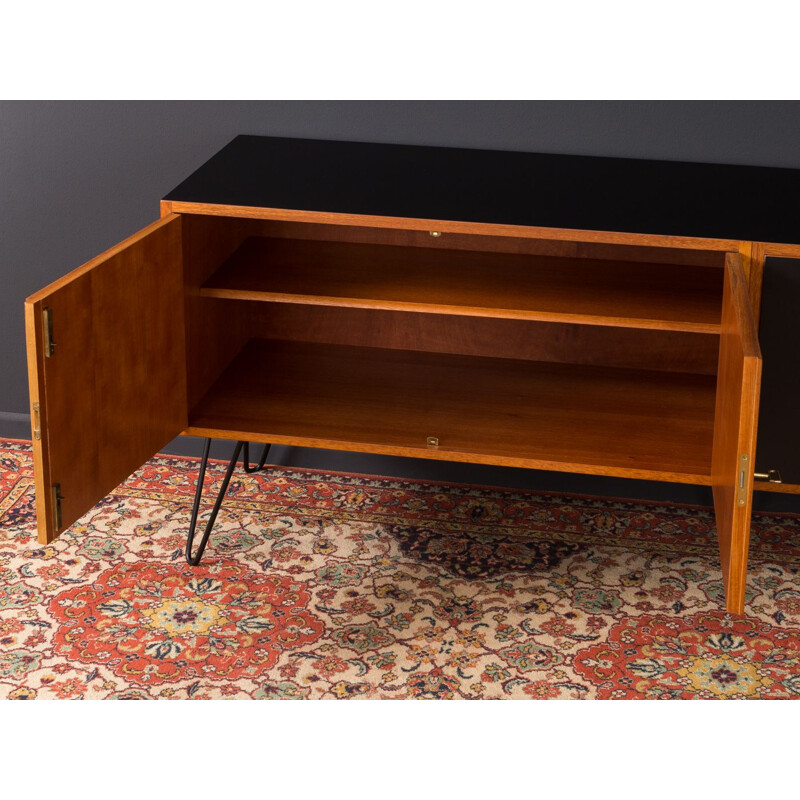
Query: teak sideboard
<point x="589" y="315"/>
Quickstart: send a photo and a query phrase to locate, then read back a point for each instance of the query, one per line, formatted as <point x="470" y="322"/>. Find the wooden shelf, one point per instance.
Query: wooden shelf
<point x="596" y="420"/>
<point x="503" y="285"/>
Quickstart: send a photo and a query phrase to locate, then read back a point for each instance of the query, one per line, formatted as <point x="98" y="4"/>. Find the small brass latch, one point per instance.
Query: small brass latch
<point x="435" y="234"/>
<point x="433" y="441"/>
<point x="771" y="475"/>
<point x="37" y="423"/>
<point x="741" y="480"/>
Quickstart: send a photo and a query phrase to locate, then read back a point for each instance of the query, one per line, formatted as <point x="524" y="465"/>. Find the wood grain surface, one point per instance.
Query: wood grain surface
<point x="566" y="343"/>
<point x="449" y="226"/>
<point x="584" y="291"/>
<point x="563" y="417"/>
<point x="736" y="414"/>
<point x="215" y="331"/>
<point x="114" y="390"/>
<point x="482" y="242"/>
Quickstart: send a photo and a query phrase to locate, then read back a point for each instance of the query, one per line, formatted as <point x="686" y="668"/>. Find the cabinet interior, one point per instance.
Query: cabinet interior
<point x="567" y="355"/>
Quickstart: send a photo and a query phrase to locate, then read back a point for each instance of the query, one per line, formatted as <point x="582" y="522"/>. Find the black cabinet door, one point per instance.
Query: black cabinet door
<point x="778" y="444"/>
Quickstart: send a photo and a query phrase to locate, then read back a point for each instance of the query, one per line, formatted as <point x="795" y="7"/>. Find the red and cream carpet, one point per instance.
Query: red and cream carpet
<point x="320" y="585"/>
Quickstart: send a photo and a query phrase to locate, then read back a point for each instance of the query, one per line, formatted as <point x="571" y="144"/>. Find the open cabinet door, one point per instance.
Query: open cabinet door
<point x="107" y="373"/>
<point x="733" y="458"/>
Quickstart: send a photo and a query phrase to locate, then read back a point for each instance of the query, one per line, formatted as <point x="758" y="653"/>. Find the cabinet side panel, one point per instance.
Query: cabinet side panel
<point x="738" y="381"/>
<point x="215" y="331"/>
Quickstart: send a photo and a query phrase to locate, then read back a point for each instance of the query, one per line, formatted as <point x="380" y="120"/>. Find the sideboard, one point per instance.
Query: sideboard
<point x="592" y="315"/>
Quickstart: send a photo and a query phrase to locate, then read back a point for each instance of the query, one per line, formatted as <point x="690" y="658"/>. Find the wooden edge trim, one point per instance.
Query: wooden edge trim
<point x="756" y="280"/>
<point x="166" y="208"/>
<point x="752" y="254"/>
<point x="450" y="455"/>
<point x="781" y="488"/>
<point x="737" y="578"/>
<point x="637" y="323"/>
<point x="777" y="249"/>
<point x="745" y="251"/>
<point x="110" y="253"/>
<point x="742" y="306"/>
<point x="41" y="472"/>
<point x="450" y="226"/>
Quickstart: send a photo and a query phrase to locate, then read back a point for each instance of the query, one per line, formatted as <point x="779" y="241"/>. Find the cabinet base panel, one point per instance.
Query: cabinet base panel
<point x="505" y="412"/>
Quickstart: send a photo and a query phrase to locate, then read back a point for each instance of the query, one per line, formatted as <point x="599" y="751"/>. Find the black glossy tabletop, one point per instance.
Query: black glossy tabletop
<point x="507" y="187"/>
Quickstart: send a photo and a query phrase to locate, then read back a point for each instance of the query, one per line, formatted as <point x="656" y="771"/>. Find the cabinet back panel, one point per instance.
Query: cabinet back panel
<point x="215" y="332"/>
<point x="667" y="351"/>
<point x="480" y="243"/>
<point x="505" y="285"/>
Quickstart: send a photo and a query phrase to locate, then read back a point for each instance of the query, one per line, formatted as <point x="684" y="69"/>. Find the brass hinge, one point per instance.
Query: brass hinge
<point x="57" y="498"/>
<point x="741" y="479"/>
<point x="37" y="423"/>
<point x="771" y="475"/>
<point x="47" y="324"/>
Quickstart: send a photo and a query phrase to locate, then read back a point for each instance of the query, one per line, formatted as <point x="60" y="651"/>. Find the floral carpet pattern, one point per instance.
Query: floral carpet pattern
<point x="328" y="585"/>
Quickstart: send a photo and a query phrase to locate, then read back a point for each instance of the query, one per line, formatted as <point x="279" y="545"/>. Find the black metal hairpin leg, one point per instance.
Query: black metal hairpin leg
<point x="246" y="458"/>
<point x="242" y="447"/>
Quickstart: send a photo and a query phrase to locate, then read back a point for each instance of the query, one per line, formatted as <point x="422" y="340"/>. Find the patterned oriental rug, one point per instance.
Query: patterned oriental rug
<point x="330" y="585"/>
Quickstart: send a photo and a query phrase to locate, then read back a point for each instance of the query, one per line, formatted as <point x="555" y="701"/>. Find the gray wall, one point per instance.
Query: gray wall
<point x="76" y="177"/>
